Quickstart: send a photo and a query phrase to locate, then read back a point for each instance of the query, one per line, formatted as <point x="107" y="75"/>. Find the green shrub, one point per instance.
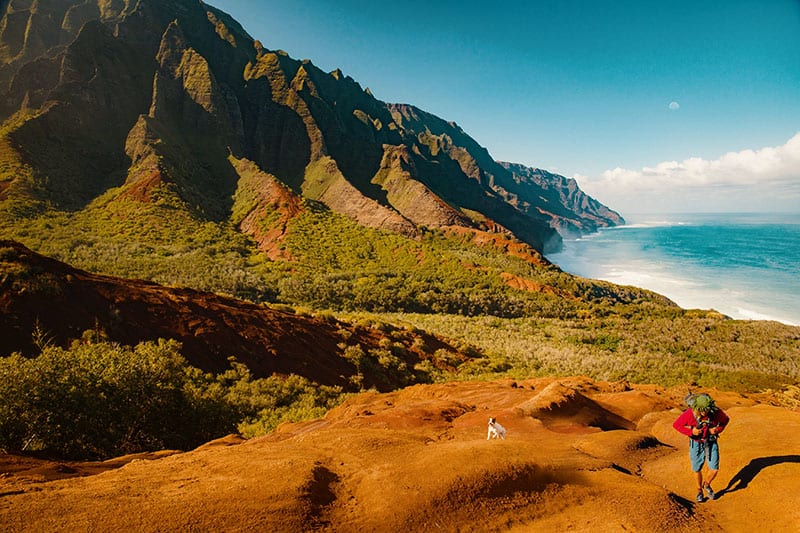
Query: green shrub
<point x="98" y="399"/>
<point x="662" y="346"/>
<point x="275" y="400"/>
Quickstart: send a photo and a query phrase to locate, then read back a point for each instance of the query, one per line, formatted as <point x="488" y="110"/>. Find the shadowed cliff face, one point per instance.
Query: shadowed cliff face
<point x="128" y="96"/>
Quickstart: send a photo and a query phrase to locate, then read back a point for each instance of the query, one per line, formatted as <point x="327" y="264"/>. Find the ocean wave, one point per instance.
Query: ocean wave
<point x="745" y="271"/>
<point x="654" y="280"/>
<point x="647" y="224"/>
<point x="749" y="314"/>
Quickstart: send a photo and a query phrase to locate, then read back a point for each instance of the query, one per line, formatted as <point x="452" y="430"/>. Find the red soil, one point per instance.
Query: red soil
<point x="418" y="459"/>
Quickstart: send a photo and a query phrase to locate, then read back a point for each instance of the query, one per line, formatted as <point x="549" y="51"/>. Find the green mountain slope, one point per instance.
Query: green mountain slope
<point x="158" y="140"/>
<point x="123" y="97"/>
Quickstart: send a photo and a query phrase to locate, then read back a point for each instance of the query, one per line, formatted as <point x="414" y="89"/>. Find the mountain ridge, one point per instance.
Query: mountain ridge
<point x="165" y="92"/>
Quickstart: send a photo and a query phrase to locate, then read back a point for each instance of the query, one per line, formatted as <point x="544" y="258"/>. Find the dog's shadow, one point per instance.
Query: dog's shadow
<point x="744" y="476"/>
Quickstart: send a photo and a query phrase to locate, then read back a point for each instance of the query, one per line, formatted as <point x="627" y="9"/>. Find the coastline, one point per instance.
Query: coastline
<point x="744" y="265"/>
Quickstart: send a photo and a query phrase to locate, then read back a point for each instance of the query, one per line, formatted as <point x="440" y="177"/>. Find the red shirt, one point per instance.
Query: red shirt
<point x="687" y="421"/>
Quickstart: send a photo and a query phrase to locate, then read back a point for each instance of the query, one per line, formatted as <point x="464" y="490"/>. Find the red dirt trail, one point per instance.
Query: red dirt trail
<point x="418" y="459"/>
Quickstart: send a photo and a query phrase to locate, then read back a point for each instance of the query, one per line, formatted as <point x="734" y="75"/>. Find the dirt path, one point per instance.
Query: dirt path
<point x="418" y="459"/>
<point x="759" y="469"/>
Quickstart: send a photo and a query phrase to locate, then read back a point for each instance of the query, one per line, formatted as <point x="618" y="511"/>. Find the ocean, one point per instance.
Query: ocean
<point x="746" y="266"/>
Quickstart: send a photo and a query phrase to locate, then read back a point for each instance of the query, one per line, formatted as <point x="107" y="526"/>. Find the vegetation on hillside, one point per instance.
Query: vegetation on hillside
<point x="442" y="283"/>
<point x="665" y="346"/>
<point x="159" y="241"/>
<point x="339" y="264"/>
<point x="97" y="399"/>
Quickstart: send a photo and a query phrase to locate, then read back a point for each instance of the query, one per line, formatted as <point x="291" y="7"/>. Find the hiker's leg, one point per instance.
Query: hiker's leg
<point x="713" y="461"/>
<point x="699" y="477"/>
<point x="698" y="457"/>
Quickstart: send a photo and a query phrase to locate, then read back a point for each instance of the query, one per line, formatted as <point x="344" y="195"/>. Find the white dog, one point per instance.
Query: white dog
<point x="496" y="431"/>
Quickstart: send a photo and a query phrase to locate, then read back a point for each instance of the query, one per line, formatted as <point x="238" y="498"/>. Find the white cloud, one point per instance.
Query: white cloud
<point x="767" y="178"/>
<point x="674" y="105"/>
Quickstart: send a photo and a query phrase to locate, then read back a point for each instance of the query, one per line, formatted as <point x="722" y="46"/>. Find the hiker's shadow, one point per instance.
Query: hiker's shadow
<point x="744" y="476"/>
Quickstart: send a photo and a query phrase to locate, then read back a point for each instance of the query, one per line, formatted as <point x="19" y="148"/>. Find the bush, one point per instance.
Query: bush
<point x="272" y="401"/>
<point x="98" y="399"/>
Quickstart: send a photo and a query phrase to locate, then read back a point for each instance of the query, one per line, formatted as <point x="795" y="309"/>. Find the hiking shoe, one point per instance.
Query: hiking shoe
<point x="700" y="498"/>
<point x="710" y="492"/>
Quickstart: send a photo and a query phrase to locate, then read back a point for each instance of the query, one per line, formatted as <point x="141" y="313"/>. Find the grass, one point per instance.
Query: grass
<point x="703" y="348"/>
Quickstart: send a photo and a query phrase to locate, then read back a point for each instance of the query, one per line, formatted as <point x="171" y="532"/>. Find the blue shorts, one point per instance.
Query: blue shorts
<point x="699" y="452"/>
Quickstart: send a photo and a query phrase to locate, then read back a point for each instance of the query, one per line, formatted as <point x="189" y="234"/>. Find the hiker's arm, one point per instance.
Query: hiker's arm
<point x="721" y="420"/>
<point x="684" y="424"/>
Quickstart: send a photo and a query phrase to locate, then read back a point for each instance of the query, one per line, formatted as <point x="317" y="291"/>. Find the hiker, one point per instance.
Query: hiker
<point x="702" y="422"/>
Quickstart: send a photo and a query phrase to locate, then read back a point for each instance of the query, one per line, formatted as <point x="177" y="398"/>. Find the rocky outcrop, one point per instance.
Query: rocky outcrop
<point x="418" y="459"/>
<point x="326" y="183"/>
<point x="411" y="197"/>
<point x="263" y="208"/>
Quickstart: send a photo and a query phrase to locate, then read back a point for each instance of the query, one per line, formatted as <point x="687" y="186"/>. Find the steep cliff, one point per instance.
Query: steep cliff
<point x="571" y="211"/>
<point x="122" y="98"/>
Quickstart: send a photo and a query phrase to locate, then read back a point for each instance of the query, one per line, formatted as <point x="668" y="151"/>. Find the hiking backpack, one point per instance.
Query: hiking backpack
<point x="691" y="400"/>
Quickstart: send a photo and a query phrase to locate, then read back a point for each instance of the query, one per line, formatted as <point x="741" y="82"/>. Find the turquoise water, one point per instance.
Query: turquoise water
<point x="746" y="266"/>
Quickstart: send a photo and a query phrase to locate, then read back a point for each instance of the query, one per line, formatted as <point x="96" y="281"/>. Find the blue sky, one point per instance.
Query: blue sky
<point x="653" y="106"/>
